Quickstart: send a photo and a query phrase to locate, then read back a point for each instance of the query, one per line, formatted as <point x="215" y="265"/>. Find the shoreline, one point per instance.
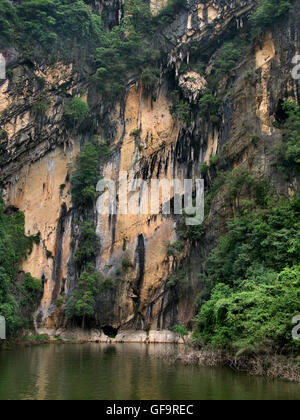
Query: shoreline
<point x="123" y="336"/>
<point x="79" y="336"/>
<point x="264" y="365"/>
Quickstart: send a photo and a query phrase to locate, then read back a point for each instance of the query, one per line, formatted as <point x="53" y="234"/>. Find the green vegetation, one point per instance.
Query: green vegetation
<point x="166" y="15"/>
<point x="8" y="19"/>
<point x="88" y="246"/>
<point x="209" y="105"/>
<point x="70" y="30"/>
<point x="253" y="317"/>
<point x="181" y="330"/>
<point x="214" y="159"/>
<point x="175" y="248"/>
<point x="126" y="263"/>
<point x="3" y="135"/>
<point x="130" y="48"/>
<point x="180" y="111"/>
<point x="235" y="183"/>
<point x="60" y="301"/>
<point x="227" y="57"/>
<point x="75" y="112"/>
<point x="40" y="108"/>
<point x="266" y="13"/>
<point x="231" y="53"/>
<point x="150" y="78"/>
<point x="18" y="296"/>
<point x="204" y="169"/>
<point x="39" y="338"/>
<point x="267" y="237"/>
<point x="254" y="139"/>
<point x="81" y="303"/>
<point x="84" y="178"/>
<point x="107" y="284"/>
<point x="30" y="290"/>
<point x="136" y="133"/>
<point x="251" y="279"/>
<point x="255" y="281"/>
<point x="49" y="24"/>
<point x="178" y="282"/>
<point x="288" y="153"/>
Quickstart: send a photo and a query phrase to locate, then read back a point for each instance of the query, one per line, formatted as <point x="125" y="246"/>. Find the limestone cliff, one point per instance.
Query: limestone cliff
<point x="37" y="153"/>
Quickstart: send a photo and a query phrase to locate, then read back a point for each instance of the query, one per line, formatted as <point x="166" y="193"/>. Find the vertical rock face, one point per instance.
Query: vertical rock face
<point x="157" y="5"/>
<point x="147" y="144"/>
<point x="112" y="10"/>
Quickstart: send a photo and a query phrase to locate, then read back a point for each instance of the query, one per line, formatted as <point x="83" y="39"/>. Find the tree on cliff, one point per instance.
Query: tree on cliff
<point x="81" y="304"/>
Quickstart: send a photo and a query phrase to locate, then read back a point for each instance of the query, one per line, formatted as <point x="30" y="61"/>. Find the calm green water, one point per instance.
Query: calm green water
<point x="123" y="371"/>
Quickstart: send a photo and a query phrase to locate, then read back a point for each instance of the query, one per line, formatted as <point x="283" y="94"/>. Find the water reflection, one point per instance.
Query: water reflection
<point x="123" y="371"/>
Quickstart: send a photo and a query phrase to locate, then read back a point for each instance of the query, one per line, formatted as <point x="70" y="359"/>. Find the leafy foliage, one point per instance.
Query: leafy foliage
<point x="231" y="53"/>
<point x="83" y="189"/>
<point x="8" y="19"/>
<point x="70" y="30"/>
<point x="175" y="248"/>
<point x="166" y="15"/>
<point x="209" y="106"/>
<point x="53" y="23"/>
<point x="178" y="282"/>
<point x="214" y="159"/>
<point x="15" y="295"/>
<point x="254" y="273"/>
<point x="181" y="330"/>
<point x="75" y="112"/>
<point x="82" y="301"/>
<point x="255" y="316"/>
<point x="267" y="12"/>
<point x="88" y="247"/>
<point x="133" y="48"/>
<point x="150" y="78"/>
<point x="204" y="169"/>
<point x="126" y="263"/>
<point x="265" y="238"/>
<point x="127" y="48"/>
<point x="180" y="110"/>
<point x="289" y="151"/>
<point x="85" y="176"/>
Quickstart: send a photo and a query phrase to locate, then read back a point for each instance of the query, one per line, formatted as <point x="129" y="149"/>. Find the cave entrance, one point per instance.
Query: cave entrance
<point x="280" y="114"/>
<point x="110" y="331"/>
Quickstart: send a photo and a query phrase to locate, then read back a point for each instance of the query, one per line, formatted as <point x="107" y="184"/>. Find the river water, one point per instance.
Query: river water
<point x="123" y="371"/>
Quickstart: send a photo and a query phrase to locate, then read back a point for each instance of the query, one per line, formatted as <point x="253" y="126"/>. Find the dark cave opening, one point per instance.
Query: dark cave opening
<point x="280" y="114"/>
<point x="110" y="331"/>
